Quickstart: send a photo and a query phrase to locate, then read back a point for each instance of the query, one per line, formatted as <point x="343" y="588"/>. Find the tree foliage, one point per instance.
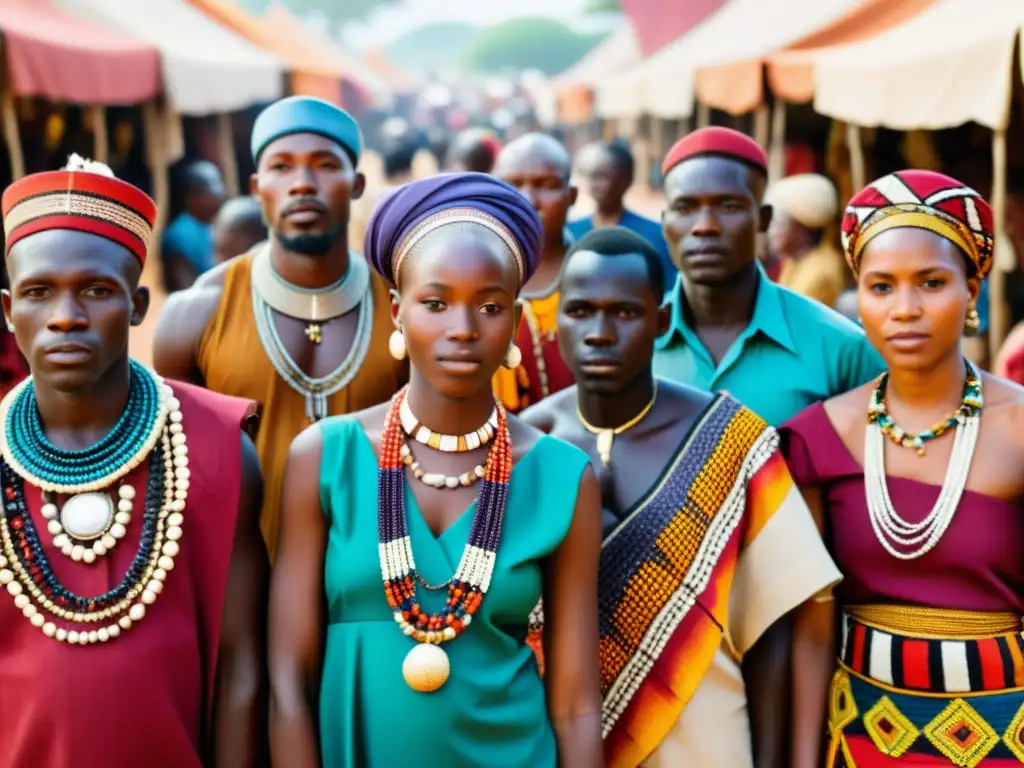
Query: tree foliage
<point x="603" y="6"/>
<point x="526" y="43"/>
<point x="338" y="11"/>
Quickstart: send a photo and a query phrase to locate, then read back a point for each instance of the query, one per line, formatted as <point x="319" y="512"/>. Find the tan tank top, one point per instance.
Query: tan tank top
<point x="232" y="361"/>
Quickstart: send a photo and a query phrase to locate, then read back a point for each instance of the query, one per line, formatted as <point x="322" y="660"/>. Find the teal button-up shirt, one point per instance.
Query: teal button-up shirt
<point x="795" y="352"/>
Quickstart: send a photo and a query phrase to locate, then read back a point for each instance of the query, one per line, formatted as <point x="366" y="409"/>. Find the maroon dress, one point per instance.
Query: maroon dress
<point x="145" y="698"/>
<point x="978" y="564"/>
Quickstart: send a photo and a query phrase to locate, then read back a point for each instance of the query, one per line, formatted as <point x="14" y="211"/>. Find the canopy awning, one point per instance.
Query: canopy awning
<point x="620" y="49"/>
<point x="62" y="58"/>
<point x="311" y="73"/>
<point x="658" y="23"/>
<point x="574" y="88"/>
<point x="206" y="67"/>
<point x="281" y="22"/>
<point x="662" y="85"/>
<point x="737" y="86"/>
<point x="949" y="65"/>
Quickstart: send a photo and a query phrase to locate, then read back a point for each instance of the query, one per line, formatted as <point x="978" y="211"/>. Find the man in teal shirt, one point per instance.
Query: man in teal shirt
<point x="732" y="328"/>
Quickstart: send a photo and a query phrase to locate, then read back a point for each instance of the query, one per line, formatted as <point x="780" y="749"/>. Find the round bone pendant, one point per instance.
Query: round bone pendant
<point x="87" y="516"/>
<point x="426" y="668"/>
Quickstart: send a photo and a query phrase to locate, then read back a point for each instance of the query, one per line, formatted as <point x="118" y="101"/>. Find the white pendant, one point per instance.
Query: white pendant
<point x="87" y="516"/>
<point x="426" y="668"/>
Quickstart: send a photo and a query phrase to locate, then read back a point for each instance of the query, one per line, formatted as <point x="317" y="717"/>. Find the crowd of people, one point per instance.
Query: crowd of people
<point x="642" y="497"/>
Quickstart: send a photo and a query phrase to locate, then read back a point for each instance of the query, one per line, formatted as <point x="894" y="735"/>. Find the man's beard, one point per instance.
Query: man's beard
<point x="312" y="245"/>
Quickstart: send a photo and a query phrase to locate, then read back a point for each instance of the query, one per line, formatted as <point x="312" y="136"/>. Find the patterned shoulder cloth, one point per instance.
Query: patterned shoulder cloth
<point x="720" y="548"/>
<point x="667" y="572"/>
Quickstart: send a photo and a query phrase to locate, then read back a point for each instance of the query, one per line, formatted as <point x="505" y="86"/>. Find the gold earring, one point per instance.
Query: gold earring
<point x="513" y="358"/>
<point x="396" y="345"/>
<point x="972" y="323"/>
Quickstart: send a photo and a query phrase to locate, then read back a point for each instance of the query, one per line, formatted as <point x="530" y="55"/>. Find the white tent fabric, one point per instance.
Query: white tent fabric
<point x="620" y="50"/>
<point x="662" y="85"/>
<point x="944" y="67"/>
<point x="206" y="67"/>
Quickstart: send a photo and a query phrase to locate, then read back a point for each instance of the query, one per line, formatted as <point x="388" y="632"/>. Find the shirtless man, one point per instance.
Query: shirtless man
<point x="707" y="541"/>
<point x="299" y="325"/>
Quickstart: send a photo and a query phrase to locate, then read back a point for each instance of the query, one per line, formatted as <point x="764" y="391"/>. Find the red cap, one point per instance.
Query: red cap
<point x="716" y="141"/>
<point x="83" y="201"/>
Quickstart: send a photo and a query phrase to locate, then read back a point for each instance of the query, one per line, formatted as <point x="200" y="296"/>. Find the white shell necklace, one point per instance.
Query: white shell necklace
<point x="909" y="541"/>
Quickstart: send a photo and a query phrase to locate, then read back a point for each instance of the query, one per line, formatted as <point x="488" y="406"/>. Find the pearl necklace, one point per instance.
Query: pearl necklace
<point x="424" y="435"/>
<point x="88" y="525"/>
<point x="438" y="479"/>
<point x="66" y="617"/>
<point x="909" y="541"/>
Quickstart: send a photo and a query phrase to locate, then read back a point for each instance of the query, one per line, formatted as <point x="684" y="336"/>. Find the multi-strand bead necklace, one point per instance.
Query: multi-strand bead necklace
<point x="151" y="429"/>
<point x="901" y="539"/>
<point x="426" y="667"/>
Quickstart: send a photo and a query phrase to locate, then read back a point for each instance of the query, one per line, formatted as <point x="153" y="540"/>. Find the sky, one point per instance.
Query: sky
<point x="396" y="20"/>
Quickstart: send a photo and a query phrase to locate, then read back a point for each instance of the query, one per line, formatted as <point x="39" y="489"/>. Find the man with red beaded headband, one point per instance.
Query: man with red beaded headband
<point x="133" y="621"/>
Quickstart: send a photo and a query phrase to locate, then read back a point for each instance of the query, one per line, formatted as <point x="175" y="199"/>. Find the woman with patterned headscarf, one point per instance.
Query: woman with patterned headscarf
<point x="916" y="479"/>
<point x="417" y="537"/>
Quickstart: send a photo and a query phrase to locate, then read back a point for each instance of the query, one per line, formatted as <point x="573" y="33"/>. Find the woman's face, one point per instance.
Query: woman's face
<point x="913" y="294"/>
<point x="457" y="307"/>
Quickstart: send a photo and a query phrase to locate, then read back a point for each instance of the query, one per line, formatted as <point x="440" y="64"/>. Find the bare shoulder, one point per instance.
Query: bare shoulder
<point x="307" y="445"/>
<point x="183" y="320"/>
<point x="1004" y="404"/>
<point x="372" y="421"/>
<point x="547" y="414"/>
<point x="847" y="411"/>
<point x="524" y="437"/>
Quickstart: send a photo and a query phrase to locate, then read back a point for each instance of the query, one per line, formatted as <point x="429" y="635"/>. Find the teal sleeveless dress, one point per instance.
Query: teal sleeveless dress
<point x="491" y="713"/>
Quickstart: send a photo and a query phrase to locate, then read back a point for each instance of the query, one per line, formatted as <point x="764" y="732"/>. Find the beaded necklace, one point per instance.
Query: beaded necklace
<point x="902" y="539"/>
<point x="426" y="667"/>
<point x="24" y="444"/>
<point x="88" y="525"/>
<point x="60" y="613"/>
<point x="878" y="413"/>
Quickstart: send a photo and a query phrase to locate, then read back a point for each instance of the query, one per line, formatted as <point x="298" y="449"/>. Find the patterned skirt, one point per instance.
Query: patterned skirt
<point x="902" y="699"/>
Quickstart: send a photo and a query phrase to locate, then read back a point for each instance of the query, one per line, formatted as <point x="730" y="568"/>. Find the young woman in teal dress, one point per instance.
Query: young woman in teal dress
<point x="417" y="536"/>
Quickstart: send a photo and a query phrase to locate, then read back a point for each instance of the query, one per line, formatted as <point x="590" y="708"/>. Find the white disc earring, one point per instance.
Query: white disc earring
<point x="396" y="345"/>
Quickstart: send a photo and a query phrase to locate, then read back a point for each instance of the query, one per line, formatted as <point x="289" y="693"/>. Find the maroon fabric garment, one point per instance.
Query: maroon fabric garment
<point x="978" y="565"/>
<point x="559" y="375"/>
<point x="145" y="698"/>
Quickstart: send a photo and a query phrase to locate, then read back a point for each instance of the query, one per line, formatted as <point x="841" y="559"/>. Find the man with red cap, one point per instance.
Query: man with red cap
<point x="732" y="329"/>
<point x="131" y="628"/>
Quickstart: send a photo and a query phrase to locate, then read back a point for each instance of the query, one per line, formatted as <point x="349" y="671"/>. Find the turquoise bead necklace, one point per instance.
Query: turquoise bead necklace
<point x="55" y="467"/>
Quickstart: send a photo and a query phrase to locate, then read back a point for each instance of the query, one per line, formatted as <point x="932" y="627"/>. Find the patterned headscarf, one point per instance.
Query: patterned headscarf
<point x="411" y="212"/>
<point x="925" y="200"/>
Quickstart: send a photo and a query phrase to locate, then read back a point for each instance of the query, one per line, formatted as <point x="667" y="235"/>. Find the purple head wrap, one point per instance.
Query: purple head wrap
<point x="413" y="210"/>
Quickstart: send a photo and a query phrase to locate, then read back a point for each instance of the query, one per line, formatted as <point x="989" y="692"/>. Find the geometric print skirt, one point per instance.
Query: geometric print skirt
<point x="902" y="698"/>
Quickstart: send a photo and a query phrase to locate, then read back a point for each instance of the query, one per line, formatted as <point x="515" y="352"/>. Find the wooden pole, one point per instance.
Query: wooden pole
<point x="100" y="137"/>
<point x="156" y="127"/>
<point x="703" y="115"/>
<point x="998" y="317"/>
<point x="12" y="137"/>
<point x="226" y="150"/>
<point x="762" y="127"/>
<point x="777" y="145"/>
<point x="858" y="169"/>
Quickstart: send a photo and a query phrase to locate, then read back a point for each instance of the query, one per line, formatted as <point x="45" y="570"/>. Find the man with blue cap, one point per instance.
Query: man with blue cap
<point x="300" y="323"/>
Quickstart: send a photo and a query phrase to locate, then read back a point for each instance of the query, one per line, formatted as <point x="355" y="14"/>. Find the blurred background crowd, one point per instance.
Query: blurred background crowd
<point x="165" y="92"/>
